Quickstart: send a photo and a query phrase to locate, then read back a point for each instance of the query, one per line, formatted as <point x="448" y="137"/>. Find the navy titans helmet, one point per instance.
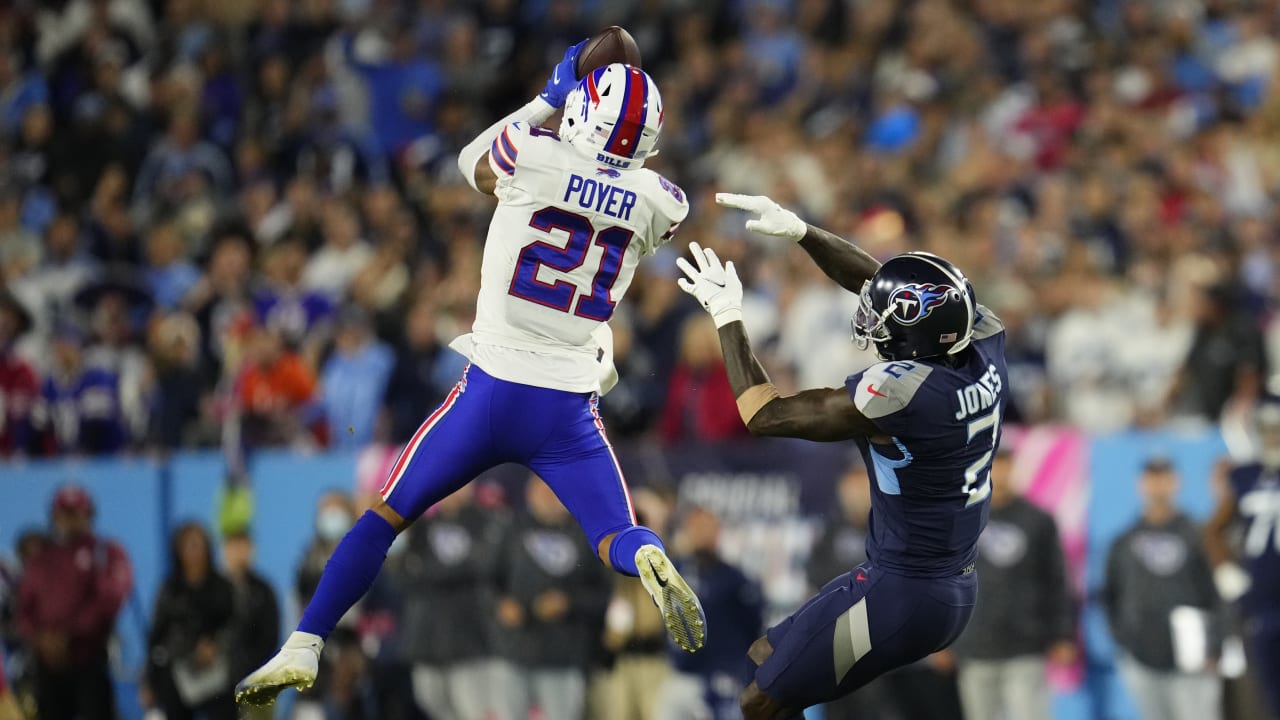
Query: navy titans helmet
<point x="916" y="306"/>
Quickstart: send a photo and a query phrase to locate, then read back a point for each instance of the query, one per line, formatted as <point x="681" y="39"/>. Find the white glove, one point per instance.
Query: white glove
<point x="774" y="219"/>
<point x="715" y="285"/>
<point x="1231" y="580"/>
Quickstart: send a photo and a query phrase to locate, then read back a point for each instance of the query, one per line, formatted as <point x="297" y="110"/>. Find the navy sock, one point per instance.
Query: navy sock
<point x="349" y="573"/>
<point x="622" y="551"/>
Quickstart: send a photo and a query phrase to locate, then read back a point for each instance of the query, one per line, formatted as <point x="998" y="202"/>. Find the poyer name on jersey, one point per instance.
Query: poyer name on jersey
<point x="592" y="194"/>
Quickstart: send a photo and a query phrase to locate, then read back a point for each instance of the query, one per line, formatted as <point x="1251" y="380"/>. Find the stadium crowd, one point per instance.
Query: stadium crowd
<point x="247" y="215"/>
<point x="240" y="223"/>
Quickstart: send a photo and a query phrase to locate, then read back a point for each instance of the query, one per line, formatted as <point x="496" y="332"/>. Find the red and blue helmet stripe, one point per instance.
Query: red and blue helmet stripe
<point x="625" y="137"/>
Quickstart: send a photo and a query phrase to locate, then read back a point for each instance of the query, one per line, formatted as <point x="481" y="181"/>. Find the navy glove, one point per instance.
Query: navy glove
<point x="564" y="78"/>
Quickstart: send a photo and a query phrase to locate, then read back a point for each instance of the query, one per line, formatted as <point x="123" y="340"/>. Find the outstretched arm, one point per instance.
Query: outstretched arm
<point x="473" y="160"/>
<point x="823" y="415"/>
<point x="842" y="261"/>
<point x="849" y="265"/>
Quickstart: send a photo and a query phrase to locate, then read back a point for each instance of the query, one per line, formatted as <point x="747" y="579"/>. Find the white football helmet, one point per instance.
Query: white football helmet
<point x="614" y="116"/>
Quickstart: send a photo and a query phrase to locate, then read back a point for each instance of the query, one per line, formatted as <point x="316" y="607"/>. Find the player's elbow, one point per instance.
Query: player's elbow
<point x="767" y="424"/>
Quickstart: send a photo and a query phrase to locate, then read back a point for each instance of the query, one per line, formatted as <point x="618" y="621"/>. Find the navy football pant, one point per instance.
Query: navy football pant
<point x="485" y="422"/>
<point x="1263" y="638"/>
<point x="860" y="626"/>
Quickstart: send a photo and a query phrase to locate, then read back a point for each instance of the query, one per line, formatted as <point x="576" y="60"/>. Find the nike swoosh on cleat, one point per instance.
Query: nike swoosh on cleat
<point x="656" y="576"/>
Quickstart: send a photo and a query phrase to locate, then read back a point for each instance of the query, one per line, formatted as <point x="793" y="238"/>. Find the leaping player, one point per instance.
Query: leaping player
<point x="576" y="211"/>
<point x="927" y="422"/>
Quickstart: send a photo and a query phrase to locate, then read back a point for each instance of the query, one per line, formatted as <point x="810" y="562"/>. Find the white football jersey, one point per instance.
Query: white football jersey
<point x="562" y="249"/>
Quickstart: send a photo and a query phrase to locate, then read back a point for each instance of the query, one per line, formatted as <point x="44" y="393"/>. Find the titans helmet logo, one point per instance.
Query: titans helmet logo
<point x="913" y="303"/>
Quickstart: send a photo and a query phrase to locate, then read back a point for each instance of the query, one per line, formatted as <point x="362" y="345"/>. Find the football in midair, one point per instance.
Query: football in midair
<point x="611" y="45"/>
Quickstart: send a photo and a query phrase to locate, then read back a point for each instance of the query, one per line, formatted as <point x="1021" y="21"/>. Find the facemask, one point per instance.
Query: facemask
<point x="332" y="524"/>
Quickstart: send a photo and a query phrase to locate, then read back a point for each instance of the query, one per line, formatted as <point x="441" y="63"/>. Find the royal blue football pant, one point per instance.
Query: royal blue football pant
<point x="858" y="627"/>
<point x="485" y="422"/>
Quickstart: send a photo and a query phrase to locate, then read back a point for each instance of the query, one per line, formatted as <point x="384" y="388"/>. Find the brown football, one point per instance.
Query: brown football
<point x="611" y="45"/>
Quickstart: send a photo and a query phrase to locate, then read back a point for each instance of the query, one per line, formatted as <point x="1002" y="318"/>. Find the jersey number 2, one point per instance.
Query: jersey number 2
<point x="596" y="304"/>
<point x="977" y="477"/>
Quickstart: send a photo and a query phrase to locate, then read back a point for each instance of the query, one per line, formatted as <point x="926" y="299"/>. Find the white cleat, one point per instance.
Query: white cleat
<point x="295" y="666"/>
<point x="686" y="623"/>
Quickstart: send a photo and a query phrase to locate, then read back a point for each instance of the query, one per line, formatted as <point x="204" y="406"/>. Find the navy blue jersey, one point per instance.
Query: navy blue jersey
<point x="1257" y="492"/>
<point x="932" y="475"/>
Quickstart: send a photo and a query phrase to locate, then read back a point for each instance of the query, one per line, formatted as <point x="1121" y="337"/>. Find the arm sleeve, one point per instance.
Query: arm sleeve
<point x="535" y="111"/>
<point x="505" y="149"/>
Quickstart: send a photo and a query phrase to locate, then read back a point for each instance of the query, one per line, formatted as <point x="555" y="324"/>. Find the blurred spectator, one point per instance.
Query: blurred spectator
<point x="20" y="248"/>
<point x="635" y="635"/>
<point x="9" y="709"/>
<point x="1002" y="652"/>
<point x="1225" y="364"/>
<point x="79" y="410"/>
<point x="170" y="275"/>
<point x="254" y="632"/>
<point x="71" y="591"/>
<point x="277" y="391"/>
<point x="220" y="303"/>
<point x="354" y="380"/>
<point x="449" y="609"/>
<point x="301" y="316"/>
<point x="19" y="385"/>
<point x="552" y="595"/>
<point x="422" y="375"/>
<point x="403" y="86"/>
<point x="335" y="514"/>
<point x="1161" y="604"/>
<point x="48" y="287"/>
<point x="348" y="693"/>
<point x="189" y="644"/>
<point x="21" y="664"/>
<point x="700" y="405"/>
<point x="343" y="254"/>
<point x="180" y="169"/>
<point x="20" y="89"/>
<point x="175" y="380"/>
<point x="336" y="155"/>
<point x="638" y="639"/>
<point x="707" y="684"/>
<point x="115" y="301"/>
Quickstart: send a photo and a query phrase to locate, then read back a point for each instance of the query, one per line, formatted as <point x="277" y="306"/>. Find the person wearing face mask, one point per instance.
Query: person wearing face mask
<point x="335" y="514"/>
<point x="72" y="589"/>
<point x="1249" y="575"/>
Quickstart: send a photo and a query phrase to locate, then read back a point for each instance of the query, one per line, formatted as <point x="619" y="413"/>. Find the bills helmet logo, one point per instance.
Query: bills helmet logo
<point x="913" y="303"/>
<point x="608" y="172"/>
